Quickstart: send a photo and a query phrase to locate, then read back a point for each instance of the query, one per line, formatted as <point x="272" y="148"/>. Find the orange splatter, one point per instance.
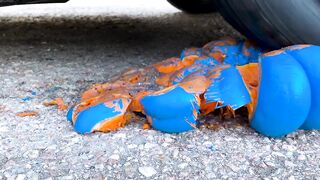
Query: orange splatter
<point x="205" y="107"/>
<point x="189" y="60"/>
<point x="164" y="79"/>
<point x="146" y="125"/>
<point x="168" y="65"/>
<point x="135" y="105"/>
<point x="195" y="84"/>
<point x="27" y="113"/>
<point x="219" y="56"/>
<point x="98" y="89"/>
<point x="273" y="53"/>
<point x="57" y="102"/>
<point x="115" y="122"/>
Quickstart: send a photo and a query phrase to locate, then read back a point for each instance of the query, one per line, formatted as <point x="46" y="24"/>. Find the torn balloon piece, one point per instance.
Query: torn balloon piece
<point x="169" y="65"/>
<point x="102" y="117"/>
<point x="227" y="88"/>
<point x="229" y="50"/>
<point x="232" y="51"/>
<point x="172" y="110"/>
<point x="69" y="114"/>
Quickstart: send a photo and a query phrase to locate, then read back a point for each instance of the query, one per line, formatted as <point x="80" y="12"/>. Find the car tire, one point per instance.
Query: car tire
<point x="274" y="23"/>
<point x="17" y="2"/>
<point x="194" y="6"/>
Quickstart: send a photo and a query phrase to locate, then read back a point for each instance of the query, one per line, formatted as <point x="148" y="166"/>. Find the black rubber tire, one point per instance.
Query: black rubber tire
<point x="274" y="23"/>
<point x="17" y="2"/>
<point x="194" y="6"/>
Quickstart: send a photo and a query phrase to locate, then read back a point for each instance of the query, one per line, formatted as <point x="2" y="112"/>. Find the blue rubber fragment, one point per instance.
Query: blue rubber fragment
<point x="69" y="114"/>
<point x="284" y="96"/>
<point x="25" y="99"/>
<point x="231" y="52"/>
<point x="234" y="53"/>
<point x="28" y="98"/>
<point x="252" y="55"/>
<point x="228" y="89"/>
<point x="172" y="111"/>
<point x="33" y="93"/>
<point x="89" y="118"/>
<point x="309" y="58"/>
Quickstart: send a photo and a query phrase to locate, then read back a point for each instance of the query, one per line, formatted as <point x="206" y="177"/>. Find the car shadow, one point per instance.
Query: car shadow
<point x="165" y="34"/>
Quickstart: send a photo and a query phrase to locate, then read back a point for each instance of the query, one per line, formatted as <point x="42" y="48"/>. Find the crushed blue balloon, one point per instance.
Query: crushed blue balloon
<point x="172" y="111"/>
<point x="88" y="118"/>
<point x="288" y="98"/>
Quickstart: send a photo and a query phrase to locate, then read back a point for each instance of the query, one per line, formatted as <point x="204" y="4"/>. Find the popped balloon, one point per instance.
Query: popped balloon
<point x="280" y="90"/>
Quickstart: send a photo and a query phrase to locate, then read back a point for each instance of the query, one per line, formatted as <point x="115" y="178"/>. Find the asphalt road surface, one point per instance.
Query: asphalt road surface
<point x="59" y="51"/>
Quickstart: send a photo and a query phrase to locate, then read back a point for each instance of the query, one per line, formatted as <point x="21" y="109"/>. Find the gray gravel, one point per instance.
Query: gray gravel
<point x="46" y="57"/>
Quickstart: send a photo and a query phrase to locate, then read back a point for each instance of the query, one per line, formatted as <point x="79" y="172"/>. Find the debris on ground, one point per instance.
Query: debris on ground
<point x="57" y="102"/>
<point x="27" y="113"/>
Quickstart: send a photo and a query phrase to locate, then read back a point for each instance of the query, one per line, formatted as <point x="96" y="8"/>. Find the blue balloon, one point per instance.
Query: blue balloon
<point x="69" y="114"/>
<point x="172" y="111"/>
<point x="284" y="96"/>
<point x="309" y="58"/>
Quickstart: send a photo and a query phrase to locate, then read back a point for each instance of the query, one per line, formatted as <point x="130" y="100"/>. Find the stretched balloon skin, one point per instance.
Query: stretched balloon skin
<point x="309" y="58"/>
<point x="284" y="95"/>
<point x="280" y="89"/>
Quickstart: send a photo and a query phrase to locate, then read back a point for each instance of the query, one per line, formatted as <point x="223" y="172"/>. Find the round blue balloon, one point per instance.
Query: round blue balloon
<point x="284" y="97"/>
<point x="309" y="58"/>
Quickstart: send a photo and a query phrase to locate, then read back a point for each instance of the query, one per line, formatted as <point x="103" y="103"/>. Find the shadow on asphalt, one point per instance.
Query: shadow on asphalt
<point x="168" y="33"/>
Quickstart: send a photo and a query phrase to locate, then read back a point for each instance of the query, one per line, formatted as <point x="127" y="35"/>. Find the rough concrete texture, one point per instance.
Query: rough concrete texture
<point x="44" y="56"/>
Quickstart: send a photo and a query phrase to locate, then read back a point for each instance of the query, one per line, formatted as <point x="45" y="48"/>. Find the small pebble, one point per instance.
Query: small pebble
<point x="147" y="171"/>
